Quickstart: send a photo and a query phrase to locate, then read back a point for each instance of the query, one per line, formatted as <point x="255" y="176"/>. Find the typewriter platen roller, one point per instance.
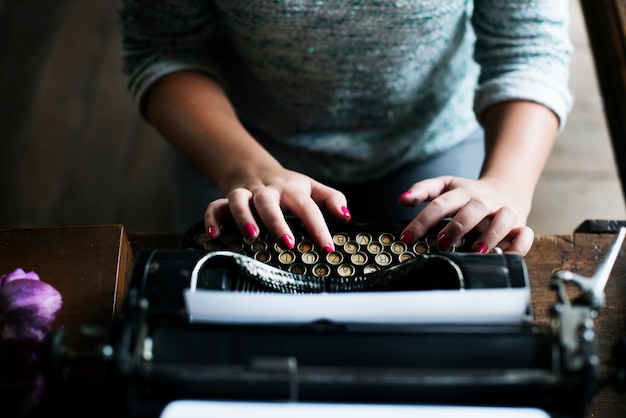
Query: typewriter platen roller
<point x="159" y="354"/>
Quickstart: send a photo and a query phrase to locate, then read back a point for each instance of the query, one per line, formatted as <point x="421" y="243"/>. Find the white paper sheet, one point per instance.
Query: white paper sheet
<point x="218" y="409"/>
<point x="471" y="306"/>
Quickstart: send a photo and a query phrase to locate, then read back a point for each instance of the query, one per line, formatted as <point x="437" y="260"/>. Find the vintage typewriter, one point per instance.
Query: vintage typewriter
<point x="375" y="323"/>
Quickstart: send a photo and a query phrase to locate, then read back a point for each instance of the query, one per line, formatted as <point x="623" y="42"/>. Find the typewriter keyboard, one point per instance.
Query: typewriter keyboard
<point x="359" y="248"/>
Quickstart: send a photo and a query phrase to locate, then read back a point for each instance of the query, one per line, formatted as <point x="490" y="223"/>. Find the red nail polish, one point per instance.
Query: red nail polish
<point x="249" y="231"/>
<point x="480" y="247"/>
<point x="285" y="242"/>
<point x="327" y="249"/>
<point x="346" y="212"/>
<point x="406" y="237"/>
<point x="444" y="241"/>
<point x="210" y="231"/>
<point x="405" y="194"/>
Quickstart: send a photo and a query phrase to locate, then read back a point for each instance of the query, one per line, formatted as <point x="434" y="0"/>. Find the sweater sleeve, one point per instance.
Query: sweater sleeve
<point x="162" y="37"/>
<point x="524" y="50"/>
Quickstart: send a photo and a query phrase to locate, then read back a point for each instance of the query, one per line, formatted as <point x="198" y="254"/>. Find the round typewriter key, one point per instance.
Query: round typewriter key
<point x="386" y="238"/>
<point x="359" y="258"/>
<point x="345" y="270"/>
<point x="286" y="257"/>
<point x="405" y="256"/>
<point x="201" y="238"/>
<point x="227" y="237"/>
<point x="363" y="238"/>
<point x="431" y="239"/>
<point x="334" y="258"/>
<point x="383" y="259"/>
<point x="340" y="238"/>
<point x="398" y="247"/>
<point x="374" y="247"/>
<point x="421" y="248"/>
<point x="258" y="245"/>
<point x="212" y="245"/>
<point x="310" y="257"/>
<point x="351" y="247"/>
<point x="321" y="270"/>
<point x="370" y="268"/>
<point x="305" y="246"/>
<point x="297" y="268"/>
<point x="235" y="246"/>
<point x="263" y="256"/>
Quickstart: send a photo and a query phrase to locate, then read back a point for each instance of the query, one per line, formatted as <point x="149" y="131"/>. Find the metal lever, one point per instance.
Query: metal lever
<point x="593" y="287"/>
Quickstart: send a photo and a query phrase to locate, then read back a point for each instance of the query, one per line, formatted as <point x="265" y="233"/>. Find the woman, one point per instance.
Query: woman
<point x="412" y="110"/>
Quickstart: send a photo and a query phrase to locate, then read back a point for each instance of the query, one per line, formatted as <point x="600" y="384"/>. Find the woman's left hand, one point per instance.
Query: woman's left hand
<point x="488" y="205"/>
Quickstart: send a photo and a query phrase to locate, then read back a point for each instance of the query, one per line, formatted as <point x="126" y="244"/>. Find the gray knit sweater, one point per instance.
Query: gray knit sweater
<point x="348" y="90"/>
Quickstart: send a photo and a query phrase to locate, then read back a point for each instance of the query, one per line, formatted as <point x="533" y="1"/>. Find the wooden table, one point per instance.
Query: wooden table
<point x="89" y="266"/>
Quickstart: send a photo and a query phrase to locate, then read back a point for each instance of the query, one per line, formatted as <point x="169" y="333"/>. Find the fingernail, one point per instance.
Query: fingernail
<point x="405" y="194"/>
<point x="406" y="237"/>
<point x="346" y="212"/>
<point x="210" y="231"/>
<point x="249" y="231"/>
<point x="443" y="241"/>
<point x="480" y="247"/>
<point x="327" y="249"/>
<point x="285" y="242"/>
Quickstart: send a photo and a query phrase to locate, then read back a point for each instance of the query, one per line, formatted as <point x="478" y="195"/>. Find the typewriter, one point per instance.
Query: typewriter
<point x="376" y="323"/>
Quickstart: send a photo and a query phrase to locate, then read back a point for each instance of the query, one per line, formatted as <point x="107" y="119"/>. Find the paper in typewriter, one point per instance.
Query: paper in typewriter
<point x="197" y="409"/>
<point x="470" y="306"/>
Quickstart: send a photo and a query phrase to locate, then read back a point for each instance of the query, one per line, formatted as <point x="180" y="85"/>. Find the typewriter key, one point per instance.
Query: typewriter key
<point x="386" y="239"/>
<point x="383" y="259"/>
<point x="421" y="248"/>
<point x="258" y="245"/>
<point x="359" y="258"/>
<point x="286" y="257"/>
<point x="227" y="237"/>
<point x="305" y="246"/>
<point x="374" y="247"/>
<point x="263" y="256"/>
<point x="211" y="245"/>
<point x="370" y="268"/>
<point x="321" y="270"/>
<point x="351" y="247"/>
<point x="202" y="238"/>
<point x="340" y="238"/>
<point x="345" y="270"/>
<point x="398" y="247"/>
<point x="363" y="238"/>
<point x="334" y="258"/>
<point x="235" y="246"/>
<point x="310" y="257"/>
<point x="405" y="256"/>
<point x="297" y="268"/>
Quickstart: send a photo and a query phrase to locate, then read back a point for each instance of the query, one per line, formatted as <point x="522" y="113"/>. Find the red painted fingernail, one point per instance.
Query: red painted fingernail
<point x="405" y="194"/>
<point x="406" y="237"/>
<point x="249" y="231"/>
<point x="346" y="212"/>
<point x="210" y="231"/>
<point x="327" y="249"/>
<point x="285" y="242"/>
<point x="480" y="247"/>
<point x="443" y="241"/>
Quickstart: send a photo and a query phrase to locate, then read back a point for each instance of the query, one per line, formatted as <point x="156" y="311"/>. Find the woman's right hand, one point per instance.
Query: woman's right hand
<point x="270" y="196"/>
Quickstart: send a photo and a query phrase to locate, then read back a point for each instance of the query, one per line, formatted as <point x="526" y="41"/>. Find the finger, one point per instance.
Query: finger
<point x="332" y="200"/>
<point x="313" y="220"/>
<point x="467" y="218"/>
<point x="213" y="216"/>
<point x="519" y="240"/>
<point x="501" y="224"/>
<point x="267" y="205"/>
<point x="241" y="210"/>
<point x="439" y="208"/>
<point x="425" y="190"/>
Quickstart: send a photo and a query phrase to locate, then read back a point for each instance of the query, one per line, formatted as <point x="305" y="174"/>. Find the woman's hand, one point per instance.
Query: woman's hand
<point x="268" y="197"/>
<point x="488" y="205"/>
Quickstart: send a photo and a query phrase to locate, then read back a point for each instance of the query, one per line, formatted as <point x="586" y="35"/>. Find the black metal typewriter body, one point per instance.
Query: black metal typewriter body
<point x="161" y="356"/>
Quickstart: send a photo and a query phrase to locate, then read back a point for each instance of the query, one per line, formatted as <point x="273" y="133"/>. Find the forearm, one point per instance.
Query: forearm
<point x="519" y="138"/>
<point x="194" y="114"/>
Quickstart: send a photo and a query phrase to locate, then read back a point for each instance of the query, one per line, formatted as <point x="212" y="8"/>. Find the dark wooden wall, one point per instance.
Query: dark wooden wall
<point x="73" y="150"/>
